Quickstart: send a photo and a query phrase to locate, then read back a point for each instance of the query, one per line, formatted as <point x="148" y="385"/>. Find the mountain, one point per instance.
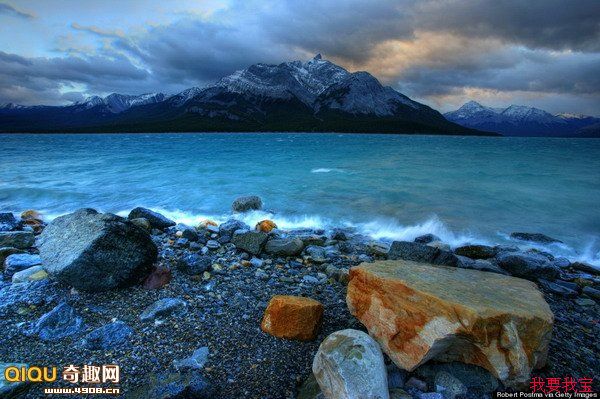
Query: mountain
<point x="314" y="95"/>
<point x="519" y="120"/>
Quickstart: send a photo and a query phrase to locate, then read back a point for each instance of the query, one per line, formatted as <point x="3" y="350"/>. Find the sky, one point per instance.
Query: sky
<point x="542" y="53"/>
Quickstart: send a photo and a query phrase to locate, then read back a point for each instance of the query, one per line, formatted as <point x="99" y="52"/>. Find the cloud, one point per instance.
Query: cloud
<point x="7" y="9"/>
<point x="98" y="31"/>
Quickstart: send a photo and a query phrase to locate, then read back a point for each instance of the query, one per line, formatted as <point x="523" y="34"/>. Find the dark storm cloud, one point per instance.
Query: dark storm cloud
<point x="7" y="9"/>
<point x="551" y="24"/>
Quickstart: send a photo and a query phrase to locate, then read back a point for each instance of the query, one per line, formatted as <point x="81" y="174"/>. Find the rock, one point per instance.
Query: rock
<point x="449" y="386"/>
<point x="13" y="296"/>
<point x="5" y="252"/>
<point x="249" y="241"/>
<point x="349" y="364"/>
<point x="284" y="247"/>
<point x="527" y="265"/>
<point x="558" y="289"/>
<point x="313" y="239"/>
<point x="570" y="285"/>
<point x="419" y="312"/>
<point x="310" y="279"/>
<point x="310" y="389"/>
<point x="397" y="393"/>
<point x="195" y="362"/>
<point x="476" y="251"/>
<point x="316" y="254"/>
<point x="19" y="262"/>
<point x="416" y="383"/>
<point x="431" y="395"/>
<point x="585" y="302"/>
<point x="378" y="249"/>
<point x="249" y="203"/>
<point x="427" y="238"/>
<point x="534" y="237"/>
<point x="31" y="214"/>
<point x="231" y="226"/>
<point x="212" y="244"/>
<point x="586" y="268"/>
<point x="8" y="221"/>
<point x="143" y="223"/>
<point x="591" y="292"/>
<point x="60" y="322"/>
<point x="292" y="317"/>
<point x="158" y="278"/>
<point x="338" y="274"/>
<point x="479" y="264"/>
<point x="562" y="263"/>
<point x="157" y="221"/>
<point x="440" y="245"/>
<point x="339" y="235"/>
<point x="12" y="390"/>
<point x="476" y="379"/>
<point x="109" y="336"/>
<point x="17" y="239"/>
<point x="265" y="226"/>
<point x="180" y="385"/>
<point x="421" y="253"/>
<point x="34" y="273"/>
<point x="395" y="376"/>
<point x="163" y="308"/>
<point x="96" y="252"/>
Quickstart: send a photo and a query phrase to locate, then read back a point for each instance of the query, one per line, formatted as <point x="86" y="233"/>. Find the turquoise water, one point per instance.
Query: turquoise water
<point x="388" y="186"/>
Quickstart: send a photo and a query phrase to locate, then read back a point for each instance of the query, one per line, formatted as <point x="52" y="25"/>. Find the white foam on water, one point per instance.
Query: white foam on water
<point x="325" y="170"/>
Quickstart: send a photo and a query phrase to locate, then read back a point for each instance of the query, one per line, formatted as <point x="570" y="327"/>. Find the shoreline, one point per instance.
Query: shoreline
<point x="225" y="299"/>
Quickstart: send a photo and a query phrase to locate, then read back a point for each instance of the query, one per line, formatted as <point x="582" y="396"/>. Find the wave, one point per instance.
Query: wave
<point x="383" y="229"/>
<point x="325" y="170"/>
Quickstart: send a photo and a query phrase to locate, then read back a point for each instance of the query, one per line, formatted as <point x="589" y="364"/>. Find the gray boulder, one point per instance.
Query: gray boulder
<point x="349" y="364"/>
<point x="476" y="251"/>
<point x="8" y="221"/>
<point x="96" y="252"/>
<point x="448" y="385"/>
<point x="245" y="204"/>
<point x="316" y="254"/>
<point x="109" y="336"/>
<point x="249" y="241"/>
<point x="530" y="266"/>
<point x="421" y="253"/>
<point x="194" y="264"/>
<point x="479" y="264"/>
<point x="427" y="238"/>
<point x="476" y="379"/>
<point x="33" y="273"/>
<point x="284" y="247"/>
<point x="534" y="237"/>
<point x="156" y="220"/>
<point x="12" y="296"/>
<point x="17" y="239"/>
<point x="60" y="322"/>
<point x="558" y="288"/>
<point x="231" y="226"/>
<point x="163" y="308"/>
<point x="19" y="262"/>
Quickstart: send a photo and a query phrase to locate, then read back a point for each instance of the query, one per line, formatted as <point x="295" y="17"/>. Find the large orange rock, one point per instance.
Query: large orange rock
<point x="265" y="226"/>
<point x="418" y="312"/>
<point x="292" y="317"/>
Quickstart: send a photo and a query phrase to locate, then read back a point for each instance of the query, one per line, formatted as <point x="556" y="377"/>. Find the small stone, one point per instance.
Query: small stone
<point x="266" y="226"/>
<point x="448" y="385"/>
<point x="431" y="395"/>
<point x="585" y="302"/>
<point x="249" y="241"/>
<point x="109" y="336"/>
<point x="256" y="262"/>
<point x="349" y="364"/>
<point x="416" y="384"/>
<point x="34" y="273"/>
<point x="156" y="220"/>
<point x="163" y="308"/>
<point x="17" y="239"/>
<point x="310" y="279"/>
<point x="5" y="252"/>
<point x="212" y="244"/>
<point x="194" y="264"/>
<point x="195" y="362"/>
<point x="158" y="278"/>
<point x="591" y="292"/>
<point x="284" y="247"/>
<point x="19" y="262"/>
<point x="58" y="323"/>
<point x="292" y="317"/>
<point x="231" y="226"/>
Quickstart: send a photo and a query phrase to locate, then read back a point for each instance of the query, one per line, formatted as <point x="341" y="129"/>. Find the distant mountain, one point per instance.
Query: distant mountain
<point x="519" y="120"/>
<point x="315" y="95"/>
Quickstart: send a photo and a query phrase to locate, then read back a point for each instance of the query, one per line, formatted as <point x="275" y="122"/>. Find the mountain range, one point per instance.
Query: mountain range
<point x="314" y="95"/>
<point x="519" y="120"/>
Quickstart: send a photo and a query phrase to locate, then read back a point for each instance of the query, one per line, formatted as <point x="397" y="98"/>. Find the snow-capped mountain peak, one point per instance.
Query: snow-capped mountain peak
<point x="117" y="103"/>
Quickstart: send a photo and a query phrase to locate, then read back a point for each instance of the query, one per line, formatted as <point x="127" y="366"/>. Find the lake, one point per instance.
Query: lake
<point x="463" y="189"/>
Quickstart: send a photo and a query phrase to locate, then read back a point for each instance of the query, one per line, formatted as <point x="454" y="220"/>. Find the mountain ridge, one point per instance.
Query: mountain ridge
<point x="303" y="96"/>
<point x="520" y="120"/>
